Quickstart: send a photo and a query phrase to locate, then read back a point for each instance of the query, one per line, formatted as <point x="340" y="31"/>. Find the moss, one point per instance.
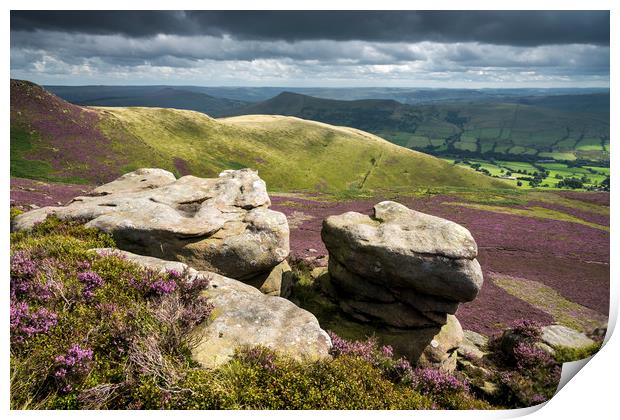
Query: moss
<point x="570" y="354"/>
<point x="15" y="212"/>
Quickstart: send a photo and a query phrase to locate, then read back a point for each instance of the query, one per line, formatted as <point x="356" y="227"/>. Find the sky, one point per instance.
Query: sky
<point x="457" y="49"/>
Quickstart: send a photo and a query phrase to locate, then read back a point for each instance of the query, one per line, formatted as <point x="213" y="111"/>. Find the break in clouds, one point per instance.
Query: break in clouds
<point x="447" y="49"/>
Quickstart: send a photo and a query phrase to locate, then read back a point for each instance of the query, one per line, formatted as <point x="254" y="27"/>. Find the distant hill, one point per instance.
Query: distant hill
<point x="594" y="103"/>
<point x="411" y="96"/>
<point x="54" y="140"/>
<point x="530" y="128"/>
<point x="148" y="96"/>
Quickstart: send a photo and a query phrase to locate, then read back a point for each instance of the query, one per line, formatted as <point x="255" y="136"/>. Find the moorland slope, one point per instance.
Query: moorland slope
<point x="52" y="139"/>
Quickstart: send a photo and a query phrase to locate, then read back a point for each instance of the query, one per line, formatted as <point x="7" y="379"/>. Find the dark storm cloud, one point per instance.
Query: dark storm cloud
<point x="517" y="28"/>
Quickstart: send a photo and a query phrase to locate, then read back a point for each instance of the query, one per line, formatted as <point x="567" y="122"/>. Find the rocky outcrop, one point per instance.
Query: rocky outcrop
<point x="278" y="283"/>
<point x="473" y="346"/>
<point x="559" y="336"/>
<point x="219" y="224"/>
<point x="244" y="316"/>
<point x="406" y="271"/>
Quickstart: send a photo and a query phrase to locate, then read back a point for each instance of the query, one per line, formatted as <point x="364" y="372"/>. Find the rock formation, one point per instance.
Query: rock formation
<point x="559" y="336"/>
<point x="407" y="272"/>
<point x="244" y="316"/>
<point x="219" y="224"/>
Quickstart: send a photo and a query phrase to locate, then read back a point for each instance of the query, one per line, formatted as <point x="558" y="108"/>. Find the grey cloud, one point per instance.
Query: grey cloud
<point x="524" y="28"/>
<point x="179" y="51"/>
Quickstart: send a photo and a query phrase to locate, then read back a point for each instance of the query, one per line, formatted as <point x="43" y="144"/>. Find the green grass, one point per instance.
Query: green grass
<point x="558" y="155"/>
<point x="24" y="141"/>
<point x="290" y="154"/>
<point x="556" y="170"/>
<point x="548" y="300"/>
<point x="570" y="354"/>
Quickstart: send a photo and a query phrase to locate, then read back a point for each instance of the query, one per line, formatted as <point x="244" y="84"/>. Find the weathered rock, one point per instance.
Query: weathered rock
<point x="600" y="332"/>
<point x="393" y="314"/>
<point x="278" y="283"/>
<point x="560" y="336"/>
<point x="469" y="351"/>
<point x="357" y="287"/>
<point x="245" y="316"/>
<point x="403" y="248"/>
<point x="408" y="343"/>
<point x="474" y="371"/>
<point x="406" y="272"/>
<point x="545" y="347"/>
<point x="325" y="284"/>
<point x="473" y="345"/>
<point x="216" y="224"/>
<point x="476" y="339"/>
<point x="445" y="342"/>
<point x="138" y="180"/>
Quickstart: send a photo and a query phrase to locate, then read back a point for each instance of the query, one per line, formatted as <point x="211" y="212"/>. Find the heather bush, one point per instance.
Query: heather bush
<point x="445" y="390"/>
<point x="529" y="330"/>
<point x="527" y="375"/>
<point x="436" y="382"/>
<point x="82" y="336"/>
<point x="397" y="370"/>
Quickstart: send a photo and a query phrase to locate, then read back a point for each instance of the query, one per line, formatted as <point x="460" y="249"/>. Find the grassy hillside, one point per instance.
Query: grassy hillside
<point x="555" y="130"/>
<point x="52" y="139"/>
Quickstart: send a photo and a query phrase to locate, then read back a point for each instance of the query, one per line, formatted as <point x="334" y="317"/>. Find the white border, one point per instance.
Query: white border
<point x="592" y="394"/>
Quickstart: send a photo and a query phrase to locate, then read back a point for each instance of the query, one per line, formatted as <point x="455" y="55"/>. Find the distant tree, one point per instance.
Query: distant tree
<point x="519" y="183"/>
<point x="573" y="183"/>
<point x="605" y="184"/>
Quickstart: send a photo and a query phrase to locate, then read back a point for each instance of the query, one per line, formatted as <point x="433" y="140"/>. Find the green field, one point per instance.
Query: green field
<point x="557" y="171"/>
<point x="484" y="130"/>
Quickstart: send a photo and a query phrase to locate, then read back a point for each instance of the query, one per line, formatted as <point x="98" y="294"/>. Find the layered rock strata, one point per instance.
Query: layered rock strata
<point x="405" y="271"/>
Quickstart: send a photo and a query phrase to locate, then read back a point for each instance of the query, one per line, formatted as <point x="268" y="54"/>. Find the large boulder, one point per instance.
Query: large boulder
<point x="403" y="248"/>
<point x="219" y="224"/>
<point x="560" y="336"/>
<point x="406" y="272"/>
<point x="243" y="316"/>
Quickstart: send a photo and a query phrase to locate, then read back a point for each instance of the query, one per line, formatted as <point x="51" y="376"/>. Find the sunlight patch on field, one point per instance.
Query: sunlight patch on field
<point x="548" y="300"/>
<point x="538" y="212"/>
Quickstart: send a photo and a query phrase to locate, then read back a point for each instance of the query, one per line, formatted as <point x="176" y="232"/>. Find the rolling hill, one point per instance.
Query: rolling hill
<point x="148" y="96"/>
<point x="54" y="140"/>
<point x="412" y="96"/>
<point x="530" y="129"/>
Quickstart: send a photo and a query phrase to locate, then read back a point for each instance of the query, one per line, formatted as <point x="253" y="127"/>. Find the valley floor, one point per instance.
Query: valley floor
<point x="545" y="255"/>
